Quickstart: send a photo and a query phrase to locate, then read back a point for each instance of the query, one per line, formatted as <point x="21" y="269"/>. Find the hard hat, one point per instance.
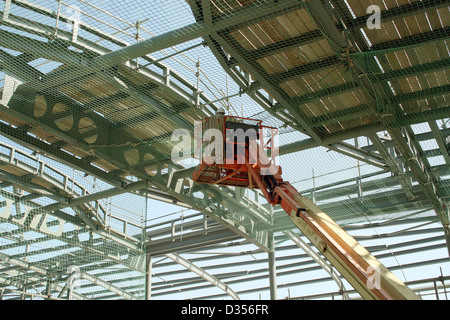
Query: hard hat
<point x="220" y="111"/>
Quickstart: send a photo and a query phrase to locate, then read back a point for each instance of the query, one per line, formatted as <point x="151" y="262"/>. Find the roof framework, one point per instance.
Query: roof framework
<point x="90" y="100"/>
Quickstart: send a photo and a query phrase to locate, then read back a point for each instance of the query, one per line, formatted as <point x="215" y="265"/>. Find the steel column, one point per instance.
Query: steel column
<point x="148" y="278"/>
<point x="272" y="275"/>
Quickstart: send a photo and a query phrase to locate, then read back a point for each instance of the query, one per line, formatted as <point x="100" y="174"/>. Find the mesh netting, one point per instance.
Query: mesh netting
<point x="90" y="251"/>
<point x="360" y="96"/>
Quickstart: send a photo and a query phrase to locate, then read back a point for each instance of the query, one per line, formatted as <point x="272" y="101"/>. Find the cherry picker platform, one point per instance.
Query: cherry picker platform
<point x="243" y="154"/>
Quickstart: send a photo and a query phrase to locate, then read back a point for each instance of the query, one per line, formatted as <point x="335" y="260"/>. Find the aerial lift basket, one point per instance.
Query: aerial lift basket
<point x="241" y="152"/>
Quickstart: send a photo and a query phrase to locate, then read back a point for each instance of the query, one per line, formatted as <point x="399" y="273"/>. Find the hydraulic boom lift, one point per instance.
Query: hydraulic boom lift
<point x="243" y="153"/>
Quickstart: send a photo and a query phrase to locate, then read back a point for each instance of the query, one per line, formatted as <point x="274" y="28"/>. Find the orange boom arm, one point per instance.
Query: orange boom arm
<point x="252" y="168"/>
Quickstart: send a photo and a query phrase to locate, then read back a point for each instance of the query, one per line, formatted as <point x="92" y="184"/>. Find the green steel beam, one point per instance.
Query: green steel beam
<point x="324" y="93"/>
<point x="411" y="152"/>
<point x="231" y="46"/>
<point x="413" y="40"/>
<point x="411" y="71"/>
<point x="255" y="12"/>
<point x="359" y="154"/>
<point x="421" y="172"/>
<point x="306" y="69"/>
<point x="393" y="166"/>
<point x="398" y="12"/>
<point x="417" y="95"/>
<point x="283" y="45"/>
<point x="347" y="114"/>
<point x="258" y="237"/>
<point x="440" y="141"/>
<point x="203" y="274"/>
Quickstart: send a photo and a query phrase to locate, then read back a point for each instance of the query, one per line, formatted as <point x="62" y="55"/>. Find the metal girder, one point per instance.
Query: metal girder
<point x="38" y="48"/>
<point x="201" y="239"/>
<point x="220" y="36"/>
<point x="82" y="164"/>
<point x="107" y="285"/>
<point x="44" y="272"/>
<point x="397" y="12"/>
<point x="23" y="264"/>
<point x="85" y="213"/>
<point x="359" y="208"/>
<point x="322" y="16"/>
<point x="440" y="141"/>
<point x="90" y="49"/>
<point x="350" y="23"/>
<point x="180" y="189"/>
<point x="272" y="267"/>
<point x="325" y="93"/>
<point x="195" y="30"/>
<point x="121" y="185"/>
<point x="79" y="203"/>
<point x="413" y="70"/>
<point x="81" y="70"/>
<point x="209" y="206"/>
<point x="424" y="136"/>
<point x="132" y="89"/>
<point x="48" y="81"/>
<point x="203" y="273"/>
<point x="243" y="80"/>
<point x="394" y="166"/>
<point x="234" y="49"/>
<point x="73" y="257"/>
<point x="421" y="94"/>
<point x="28" y="266"/>
<point x="318" y="258"/>
<point x="417" y="39"/>
<point x="411" y="152"/>
<point x="354" y="25"/>
<point x="357" y="153"/>
<point x="40" y="171"/>
<point x="282" y="45"/>
<point x="46" y="31"/>
<point x="53" y="151"/>
<point x="334" y="33"/>
<point x="50" y="31"/>
<point x="397" y="121"/>
<point x="259" y="237"/>
<point x="370" y="205"/>
<point x="306" y="69"/>
<point x="421" y="172"/>
<point x="348" y="114"/>
<point x="332" y="138"/>
<point x="17" y="67"/>
<point x="285" y="270"/>
<point x="45" y="222"/>
<point x="369" y="183"/>
<point x="213" y="202"/>
<point x="305" y="264"/>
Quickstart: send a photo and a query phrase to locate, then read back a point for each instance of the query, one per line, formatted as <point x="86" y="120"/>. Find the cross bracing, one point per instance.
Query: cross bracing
<point x="93" y="93"/>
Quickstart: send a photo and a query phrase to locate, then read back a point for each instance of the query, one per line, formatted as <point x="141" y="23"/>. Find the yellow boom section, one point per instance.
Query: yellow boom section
<point x="364" y="272"/>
